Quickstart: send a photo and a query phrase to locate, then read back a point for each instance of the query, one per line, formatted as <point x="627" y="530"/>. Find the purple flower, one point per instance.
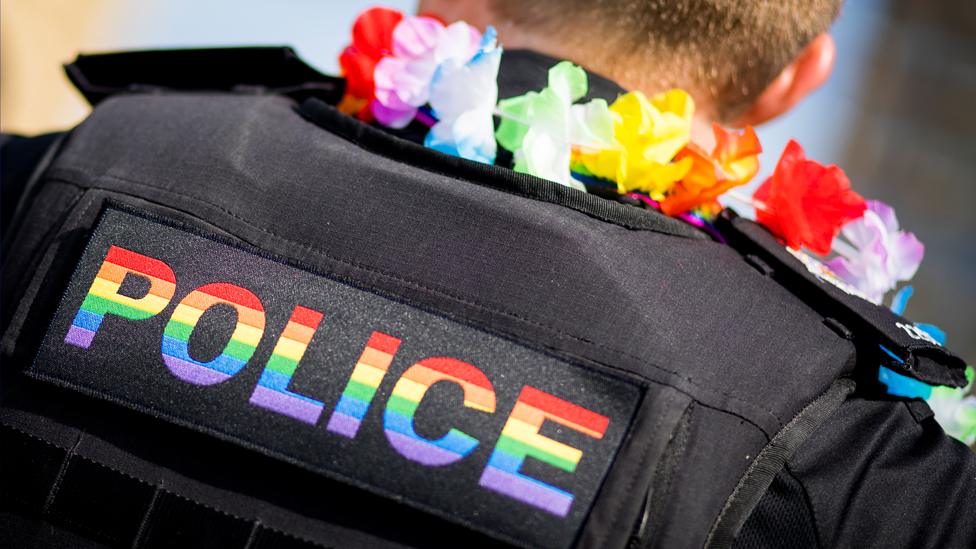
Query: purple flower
<point x="880" y="255"/>
<point x="420" y="45"/>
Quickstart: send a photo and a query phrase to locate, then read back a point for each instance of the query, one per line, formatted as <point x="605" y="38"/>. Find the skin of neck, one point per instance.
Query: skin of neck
<point x="478" y="13"/>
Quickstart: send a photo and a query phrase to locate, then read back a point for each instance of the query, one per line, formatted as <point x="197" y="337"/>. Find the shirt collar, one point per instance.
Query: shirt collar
<point x="523" y="71"/>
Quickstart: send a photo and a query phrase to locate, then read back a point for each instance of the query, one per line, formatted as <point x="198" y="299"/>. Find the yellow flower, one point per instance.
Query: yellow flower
<point x="648" y="133"/>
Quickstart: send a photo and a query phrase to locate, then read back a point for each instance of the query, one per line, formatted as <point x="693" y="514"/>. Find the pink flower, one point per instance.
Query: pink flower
<point x="881" y="255"/>
<point x="420" y="45"/>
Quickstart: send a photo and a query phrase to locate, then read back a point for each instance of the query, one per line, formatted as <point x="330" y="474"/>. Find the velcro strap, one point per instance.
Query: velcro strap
<point x="913" y="353"/>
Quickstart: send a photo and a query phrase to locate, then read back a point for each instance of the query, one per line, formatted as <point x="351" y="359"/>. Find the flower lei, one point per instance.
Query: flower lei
<point x="403" y="70"/>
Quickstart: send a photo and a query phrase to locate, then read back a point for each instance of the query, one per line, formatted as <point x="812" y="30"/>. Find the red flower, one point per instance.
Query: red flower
<point x="372" y="39"/>
<point x="805" y="203"/>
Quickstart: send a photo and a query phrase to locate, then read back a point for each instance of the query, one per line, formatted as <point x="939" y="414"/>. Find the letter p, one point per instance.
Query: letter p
<point x="104" y="298"/>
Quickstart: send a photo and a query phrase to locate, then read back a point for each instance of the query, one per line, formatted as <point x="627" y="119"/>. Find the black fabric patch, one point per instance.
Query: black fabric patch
<point x="526" y="472"/>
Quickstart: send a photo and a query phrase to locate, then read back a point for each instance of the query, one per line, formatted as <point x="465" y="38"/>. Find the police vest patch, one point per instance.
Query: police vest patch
<point x="340" y="380"/>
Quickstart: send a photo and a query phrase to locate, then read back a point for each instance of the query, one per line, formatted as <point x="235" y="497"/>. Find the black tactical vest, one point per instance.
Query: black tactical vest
<point x="234" y="317"/>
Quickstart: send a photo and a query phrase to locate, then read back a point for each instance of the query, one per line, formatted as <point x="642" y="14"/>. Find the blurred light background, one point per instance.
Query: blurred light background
<point x="898" y="113"/>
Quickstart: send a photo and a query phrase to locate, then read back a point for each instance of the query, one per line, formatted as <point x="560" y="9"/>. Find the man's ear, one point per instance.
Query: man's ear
<point x="806" y="73"/>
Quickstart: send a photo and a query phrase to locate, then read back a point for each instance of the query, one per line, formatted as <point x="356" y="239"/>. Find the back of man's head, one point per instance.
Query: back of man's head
<point x="725" y="52"/>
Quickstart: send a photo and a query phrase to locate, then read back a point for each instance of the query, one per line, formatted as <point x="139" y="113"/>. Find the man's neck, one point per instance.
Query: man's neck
<point x="479" y="13"/>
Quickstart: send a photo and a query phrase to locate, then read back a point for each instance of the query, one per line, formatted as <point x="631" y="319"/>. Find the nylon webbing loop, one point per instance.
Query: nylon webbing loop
<point x="38" y="478"/>
<point x="771" y="460"/>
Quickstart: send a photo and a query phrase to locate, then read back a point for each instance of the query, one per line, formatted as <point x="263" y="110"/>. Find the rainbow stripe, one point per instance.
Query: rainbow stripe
<point x="103" y="297"/>
<point x="272" y="391"/>
<point x="366" y="378"/>
<point x="520" y="438"/>
<point x="410" y="390"/>
<point x="247" y="333"/>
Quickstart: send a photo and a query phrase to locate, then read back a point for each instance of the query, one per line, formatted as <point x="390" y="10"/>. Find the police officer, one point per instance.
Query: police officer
<point x="234" y="316"/>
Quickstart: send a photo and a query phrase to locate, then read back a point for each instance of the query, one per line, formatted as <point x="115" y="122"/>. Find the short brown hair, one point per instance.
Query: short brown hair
<point x="728" y="49"/>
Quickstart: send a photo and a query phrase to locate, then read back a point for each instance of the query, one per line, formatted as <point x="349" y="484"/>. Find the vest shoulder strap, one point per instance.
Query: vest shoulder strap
<point x="898" y="344"/>
<point x="276" y="70"/>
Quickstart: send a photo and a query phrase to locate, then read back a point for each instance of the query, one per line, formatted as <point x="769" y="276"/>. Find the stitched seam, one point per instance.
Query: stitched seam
<point x="144" y="523"/>
<point x="670" y="464"/>
<point x="31" y="435"/>
<point x="56" y="486"/>
<point x="643" y="462"/>
<point x="253" y="534"/>
<point x="462" y="299"/>
<point x="359" y="138"/>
